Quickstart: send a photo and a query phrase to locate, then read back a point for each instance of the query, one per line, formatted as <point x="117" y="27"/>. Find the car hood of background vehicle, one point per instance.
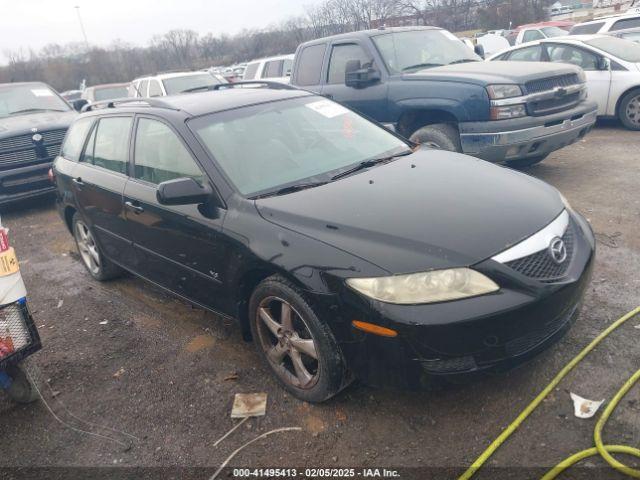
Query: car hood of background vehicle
<point x="432" y="209"/>
<point x="18" y="124"/>
<point x="489" y="73"/>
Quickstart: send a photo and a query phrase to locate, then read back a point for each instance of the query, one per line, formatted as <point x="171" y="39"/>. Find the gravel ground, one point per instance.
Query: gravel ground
<point x="124" y="355"/>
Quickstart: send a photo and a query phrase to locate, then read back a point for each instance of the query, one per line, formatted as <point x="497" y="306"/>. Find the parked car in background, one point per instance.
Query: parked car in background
<point x="607" y="24"/>
<point x="611" y="66"/>
<point x="427" y="85"/>
<point x="173" y="83"/>
<point x="276" y="69"/>
<point x="107" y="91"/>
<point x="71" y="95"/>
<point x="631" y="34"/>
<point x="538" y="31"/>
<point x="33" y="121"/>
<point x="280" y="208"/>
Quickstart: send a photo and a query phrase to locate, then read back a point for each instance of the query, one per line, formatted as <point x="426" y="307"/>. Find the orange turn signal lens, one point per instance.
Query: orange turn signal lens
<point x="375" y="329"/>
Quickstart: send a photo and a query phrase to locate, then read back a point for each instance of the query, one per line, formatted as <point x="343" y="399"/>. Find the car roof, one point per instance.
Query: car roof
<point x="23" y="84"/>
<point x="109" y="85"/>
<point x="202" y="103"/>
<point x="369" y="33"/>
<point x="162" y="76"/>
<point x="608" y="18"/>
<point x="275" y="57"/>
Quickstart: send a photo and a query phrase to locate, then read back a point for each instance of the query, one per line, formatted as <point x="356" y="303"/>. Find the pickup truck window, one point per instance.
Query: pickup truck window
<point x="340" y="55"/>
<point x="310" y="65"/>
<point x="414" y="50"/>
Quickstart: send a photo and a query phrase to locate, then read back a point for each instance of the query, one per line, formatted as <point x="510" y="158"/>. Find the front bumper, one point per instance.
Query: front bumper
<point x="528" y="137"/>
<point x="25" y="182"/>
<point x="490" y="333"/>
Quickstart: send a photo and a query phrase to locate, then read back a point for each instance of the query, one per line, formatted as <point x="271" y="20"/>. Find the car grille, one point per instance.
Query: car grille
<point x="545" y="84"/>
<point x="527" y="342"/>
<point x="547" y="107"/>
<point x="22" y="150"/>
<point x="541" y="266"/>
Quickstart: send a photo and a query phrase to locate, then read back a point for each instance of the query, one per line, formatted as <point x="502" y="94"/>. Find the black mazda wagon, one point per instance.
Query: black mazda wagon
<point x="343" y="250"/>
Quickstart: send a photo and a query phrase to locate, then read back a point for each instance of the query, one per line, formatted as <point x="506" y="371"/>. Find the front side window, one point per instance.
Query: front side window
<point x="30" y="98"/>
<point x="174" y="85"/>
<point x="265" y="147"/>
<point x="413" y="50"/>
<point x="76" y="136"/>
<point x="160" y="155"/>
<point x="310" y="65"/>
<point x="340" y="56"/>
<point x="575" y="56"/>
<point x="108" y="146"/>
<point x="527" y="54"/>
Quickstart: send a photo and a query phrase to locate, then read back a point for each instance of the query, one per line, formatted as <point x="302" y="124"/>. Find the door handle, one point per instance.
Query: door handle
<point x="78" y="181"/>
<point x="137" y="209"/>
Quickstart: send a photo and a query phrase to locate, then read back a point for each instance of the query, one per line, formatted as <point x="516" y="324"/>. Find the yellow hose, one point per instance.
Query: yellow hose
<point x="603" y="450"/>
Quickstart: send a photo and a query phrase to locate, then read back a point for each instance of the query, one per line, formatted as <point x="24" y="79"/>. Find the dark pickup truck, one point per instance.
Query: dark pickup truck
<point x="427" y="85"/>
<point x="33" y="122"/>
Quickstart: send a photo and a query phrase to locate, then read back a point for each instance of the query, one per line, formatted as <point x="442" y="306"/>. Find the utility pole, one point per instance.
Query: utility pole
<point x="84" y="34"/>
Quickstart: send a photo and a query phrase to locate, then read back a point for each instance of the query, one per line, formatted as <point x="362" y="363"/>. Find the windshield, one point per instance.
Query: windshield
<point x="266" y="147"/>
<point x="554" y="32"/>
<point x="175" y="85"/>
<point x="107" y="93"/>
<point x="617" y="47"/>
<point x="416" y="49"/>
<point x="33" y="98"/>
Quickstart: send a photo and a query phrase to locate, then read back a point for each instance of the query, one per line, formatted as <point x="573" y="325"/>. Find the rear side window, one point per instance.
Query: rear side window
<point x="250" y="72"/>
<point x="272" y="69"/>
<point x="109" y="144"/>
<point x="340" y="56"/>
<point x="160" y="155"/>
<point x="74" y="141"/>
<point x="586" y="29"/>
<point x="626" y="23"/>
<point x="310" y="65"/>
<point x="154" y="89"/>
<point x="527" y="54"/>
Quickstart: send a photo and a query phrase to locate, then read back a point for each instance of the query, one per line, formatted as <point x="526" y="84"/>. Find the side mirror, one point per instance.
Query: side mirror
<point x="479" y="49"/>
<point x="78" y="104"/>
<point x="184" y="191"/>
<point x="357" y="77"/>
<point x="604" y="63"/>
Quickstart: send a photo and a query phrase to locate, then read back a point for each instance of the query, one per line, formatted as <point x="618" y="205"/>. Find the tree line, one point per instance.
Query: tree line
<point x="65" y="66"/>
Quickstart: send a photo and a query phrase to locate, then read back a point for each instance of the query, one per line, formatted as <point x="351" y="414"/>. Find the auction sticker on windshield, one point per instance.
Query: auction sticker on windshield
<point x="327" y="108"/>
<point x="8" y="263"/>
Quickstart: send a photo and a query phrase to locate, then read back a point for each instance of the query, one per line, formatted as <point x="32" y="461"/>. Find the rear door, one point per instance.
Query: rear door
<point x="98" y="182"/>
<point x="176" y="247"/>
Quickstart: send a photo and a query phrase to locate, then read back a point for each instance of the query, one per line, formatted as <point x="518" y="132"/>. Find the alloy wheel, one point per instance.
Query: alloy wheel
<point x="87" y="247"/>
<point x="287" y="343"/>
<point x="633" y="110"/>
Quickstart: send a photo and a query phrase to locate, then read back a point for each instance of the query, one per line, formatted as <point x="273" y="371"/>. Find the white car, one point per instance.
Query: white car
<point x="174" y="83"/>
<point x="529" y="34"/>
<point x="611" y="65"/>
<point x="274" y="69"/>
<point x="607" y="24"/>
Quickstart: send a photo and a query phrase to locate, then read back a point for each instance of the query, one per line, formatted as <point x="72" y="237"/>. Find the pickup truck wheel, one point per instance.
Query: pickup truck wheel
<point x="629" y="110"/>
<point x="525" y="162"/>
<point x="441" y="136"/>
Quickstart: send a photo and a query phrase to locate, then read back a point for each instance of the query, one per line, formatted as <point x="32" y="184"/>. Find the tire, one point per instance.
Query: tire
<point x="286" y="330"/>
<point x="629" y="110"/>
<point x="22" y="389"/>
<point x="92" y="258"/>
<point x="441" y="136"/>
<point x="525" y="162"/>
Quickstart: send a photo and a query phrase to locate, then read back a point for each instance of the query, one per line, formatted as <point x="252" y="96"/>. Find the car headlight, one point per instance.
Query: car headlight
<point x="497" y="92"/>
<point x="427" y="287"/>
<point x="508" y="111"/>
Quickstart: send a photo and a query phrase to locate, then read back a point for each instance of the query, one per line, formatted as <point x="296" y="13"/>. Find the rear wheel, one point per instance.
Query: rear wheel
<point x="441" y="136"/>
<point x="629" y="110"/>
<point x="298" y="347"/>
<point x="95" y="262"/>
<point x="22" y="389"/>
<point x="525" y="162"/>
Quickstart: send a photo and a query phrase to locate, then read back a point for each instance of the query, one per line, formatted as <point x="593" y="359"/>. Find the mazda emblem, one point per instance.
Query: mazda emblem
<point x="558" y="250"/>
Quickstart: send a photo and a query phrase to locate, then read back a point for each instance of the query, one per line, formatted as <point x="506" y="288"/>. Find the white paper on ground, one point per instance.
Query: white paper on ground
<point x="584" y="408"/>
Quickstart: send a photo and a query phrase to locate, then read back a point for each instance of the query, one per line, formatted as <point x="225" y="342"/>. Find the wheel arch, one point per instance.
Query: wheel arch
<point x="412" y="120"/>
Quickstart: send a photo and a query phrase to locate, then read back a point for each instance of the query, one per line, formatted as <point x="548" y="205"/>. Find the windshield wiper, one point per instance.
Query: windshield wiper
<point x="463" y="60"/>
<point x="289" y="189"/>
<point x="368" y="164"/>
<point x="28" y="110"/>
<point x="421" y="65"/>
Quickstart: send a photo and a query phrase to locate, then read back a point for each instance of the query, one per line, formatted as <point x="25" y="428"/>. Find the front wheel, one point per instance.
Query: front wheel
<point x="441" y="136"/>
<point x="22" y="389"/>
<point x="296" y="345"/>
<point x="629" y="110"/>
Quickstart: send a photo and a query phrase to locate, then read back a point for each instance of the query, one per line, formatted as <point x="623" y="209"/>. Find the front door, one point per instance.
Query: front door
<point x="176" y="247"/>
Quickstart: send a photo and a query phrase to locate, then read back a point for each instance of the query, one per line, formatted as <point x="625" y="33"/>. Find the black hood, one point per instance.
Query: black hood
<point x="489" y="73"/>
<point x="431" y="209"/>
<point x="44" y="121"/>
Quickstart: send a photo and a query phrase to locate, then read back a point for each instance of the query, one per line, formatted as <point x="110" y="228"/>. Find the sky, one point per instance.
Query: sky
<point x="35" y="23"/>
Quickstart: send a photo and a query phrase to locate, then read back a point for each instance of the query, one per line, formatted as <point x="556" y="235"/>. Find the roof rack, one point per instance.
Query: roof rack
<point x="134" y="101"/>
<point x="225" y="86"/>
